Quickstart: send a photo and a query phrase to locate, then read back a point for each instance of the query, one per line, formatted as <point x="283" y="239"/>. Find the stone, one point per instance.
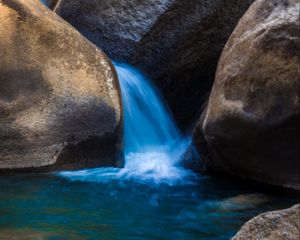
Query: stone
<point x="176" y="42"/>
<point x="60" y="104"/>
<point x="281" y="224"/>
<point x="250" y="126"/>
<point x="242" y="202"/>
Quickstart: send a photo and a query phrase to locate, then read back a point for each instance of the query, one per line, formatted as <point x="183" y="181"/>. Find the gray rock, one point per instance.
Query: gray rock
<point x="276" y="225"/>
<point x="250" y="127"/>
<point x="176" y="42"/>
<point x="59" y="97"/>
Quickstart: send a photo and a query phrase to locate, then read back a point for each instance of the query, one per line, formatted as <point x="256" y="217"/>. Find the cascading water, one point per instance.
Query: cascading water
<point x="147" y="121"/>
<point x="153" y="145"/>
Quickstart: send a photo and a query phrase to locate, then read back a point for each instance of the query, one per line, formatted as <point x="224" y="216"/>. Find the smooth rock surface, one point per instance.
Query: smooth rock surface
<point x="59" y="97"/>
<point x="250" y="127"/>
<point x="176" y="42"/>
<point x="275" y="225"/>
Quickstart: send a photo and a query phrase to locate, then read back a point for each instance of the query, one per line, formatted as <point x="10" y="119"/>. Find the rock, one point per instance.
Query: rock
<point x="176" y="42"/>
<point x="250" y="127"/>
<point x="59" y="98"/>
<point x="117" y="26"/>
<point x="241" y="202"/>
<point x="228" y="206"/>
<point x="282" y="224"/>
<point x="25" y="234"/>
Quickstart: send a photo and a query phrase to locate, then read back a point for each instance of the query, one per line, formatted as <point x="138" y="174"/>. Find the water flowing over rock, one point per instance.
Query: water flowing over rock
<point x="282" y="224"/>
<point x="153" y="145"/>
<point x="59" y="99"/>
<point x="250" y="127"/>
<point x="176" y="42"/>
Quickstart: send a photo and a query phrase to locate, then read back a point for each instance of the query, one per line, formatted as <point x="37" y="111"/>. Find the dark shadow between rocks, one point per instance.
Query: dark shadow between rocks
<point x="182" y="49"/>
<point x="179" y="52"/>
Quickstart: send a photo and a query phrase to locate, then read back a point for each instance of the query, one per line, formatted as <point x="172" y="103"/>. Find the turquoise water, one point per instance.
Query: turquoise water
<point x="51" y="207"/>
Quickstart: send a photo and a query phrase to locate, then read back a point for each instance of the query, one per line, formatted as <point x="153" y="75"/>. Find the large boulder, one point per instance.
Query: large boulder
<point x="281" y="224"/>
<point x="176" y="42"/>
<point x="250" y="127"/>
<point x="59" y="98"/>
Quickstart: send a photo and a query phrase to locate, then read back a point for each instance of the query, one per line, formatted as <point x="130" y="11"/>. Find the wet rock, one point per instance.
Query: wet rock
<point x="282" y="224"/>
<point x="59" y="98"/>
<point x="250" y="127"/>
<point x="24" y="234"/>
<point x="176" y="42"/>
<point x="241" y="202"/>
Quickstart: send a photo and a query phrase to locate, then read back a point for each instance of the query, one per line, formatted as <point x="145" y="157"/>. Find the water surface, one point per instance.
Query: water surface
<point x="52" y="207"/>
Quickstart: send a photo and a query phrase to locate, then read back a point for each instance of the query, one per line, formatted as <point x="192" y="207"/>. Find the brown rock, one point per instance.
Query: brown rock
<point x="250" y="127"/>
<point x="59" y="101"/>
<point x="276" y="225"/>
<point x="176" y="42"/>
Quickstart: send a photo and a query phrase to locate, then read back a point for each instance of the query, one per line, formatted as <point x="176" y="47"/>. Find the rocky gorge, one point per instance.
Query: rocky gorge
<point x="228" y="70"/>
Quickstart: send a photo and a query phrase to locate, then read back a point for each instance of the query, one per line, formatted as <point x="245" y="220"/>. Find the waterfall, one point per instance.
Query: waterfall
<point x="153" y="144"/>
<point x="148" y="123"/>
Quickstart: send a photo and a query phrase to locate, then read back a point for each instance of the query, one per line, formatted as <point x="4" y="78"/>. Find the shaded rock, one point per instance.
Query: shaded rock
<point x="59" y="99"/>
<point x="250" y="127"/>
<point x="117" y="26"/>
<point x="282" y="224"/>
<point x="176" y="42"/>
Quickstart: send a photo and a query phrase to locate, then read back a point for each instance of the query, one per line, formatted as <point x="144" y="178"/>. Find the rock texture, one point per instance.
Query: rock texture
<point x="59" y="99"/>
<point x="176" y="42"/>
<point x="282" y="224"/>
<point x="250" y="127"/>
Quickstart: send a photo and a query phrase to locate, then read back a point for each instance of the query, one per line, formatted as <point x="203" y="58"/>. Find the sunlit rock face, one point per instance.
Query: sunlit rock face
<point x="282" y="224"/>
<point x="250" y="127"/>
<point x="59" y="99"/>
<point x="176" y="42"/>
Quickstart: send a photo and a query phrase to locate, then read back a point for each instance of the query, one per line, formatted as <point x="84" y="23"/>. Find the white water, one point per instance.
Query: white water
<point x="153" y="145"/>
